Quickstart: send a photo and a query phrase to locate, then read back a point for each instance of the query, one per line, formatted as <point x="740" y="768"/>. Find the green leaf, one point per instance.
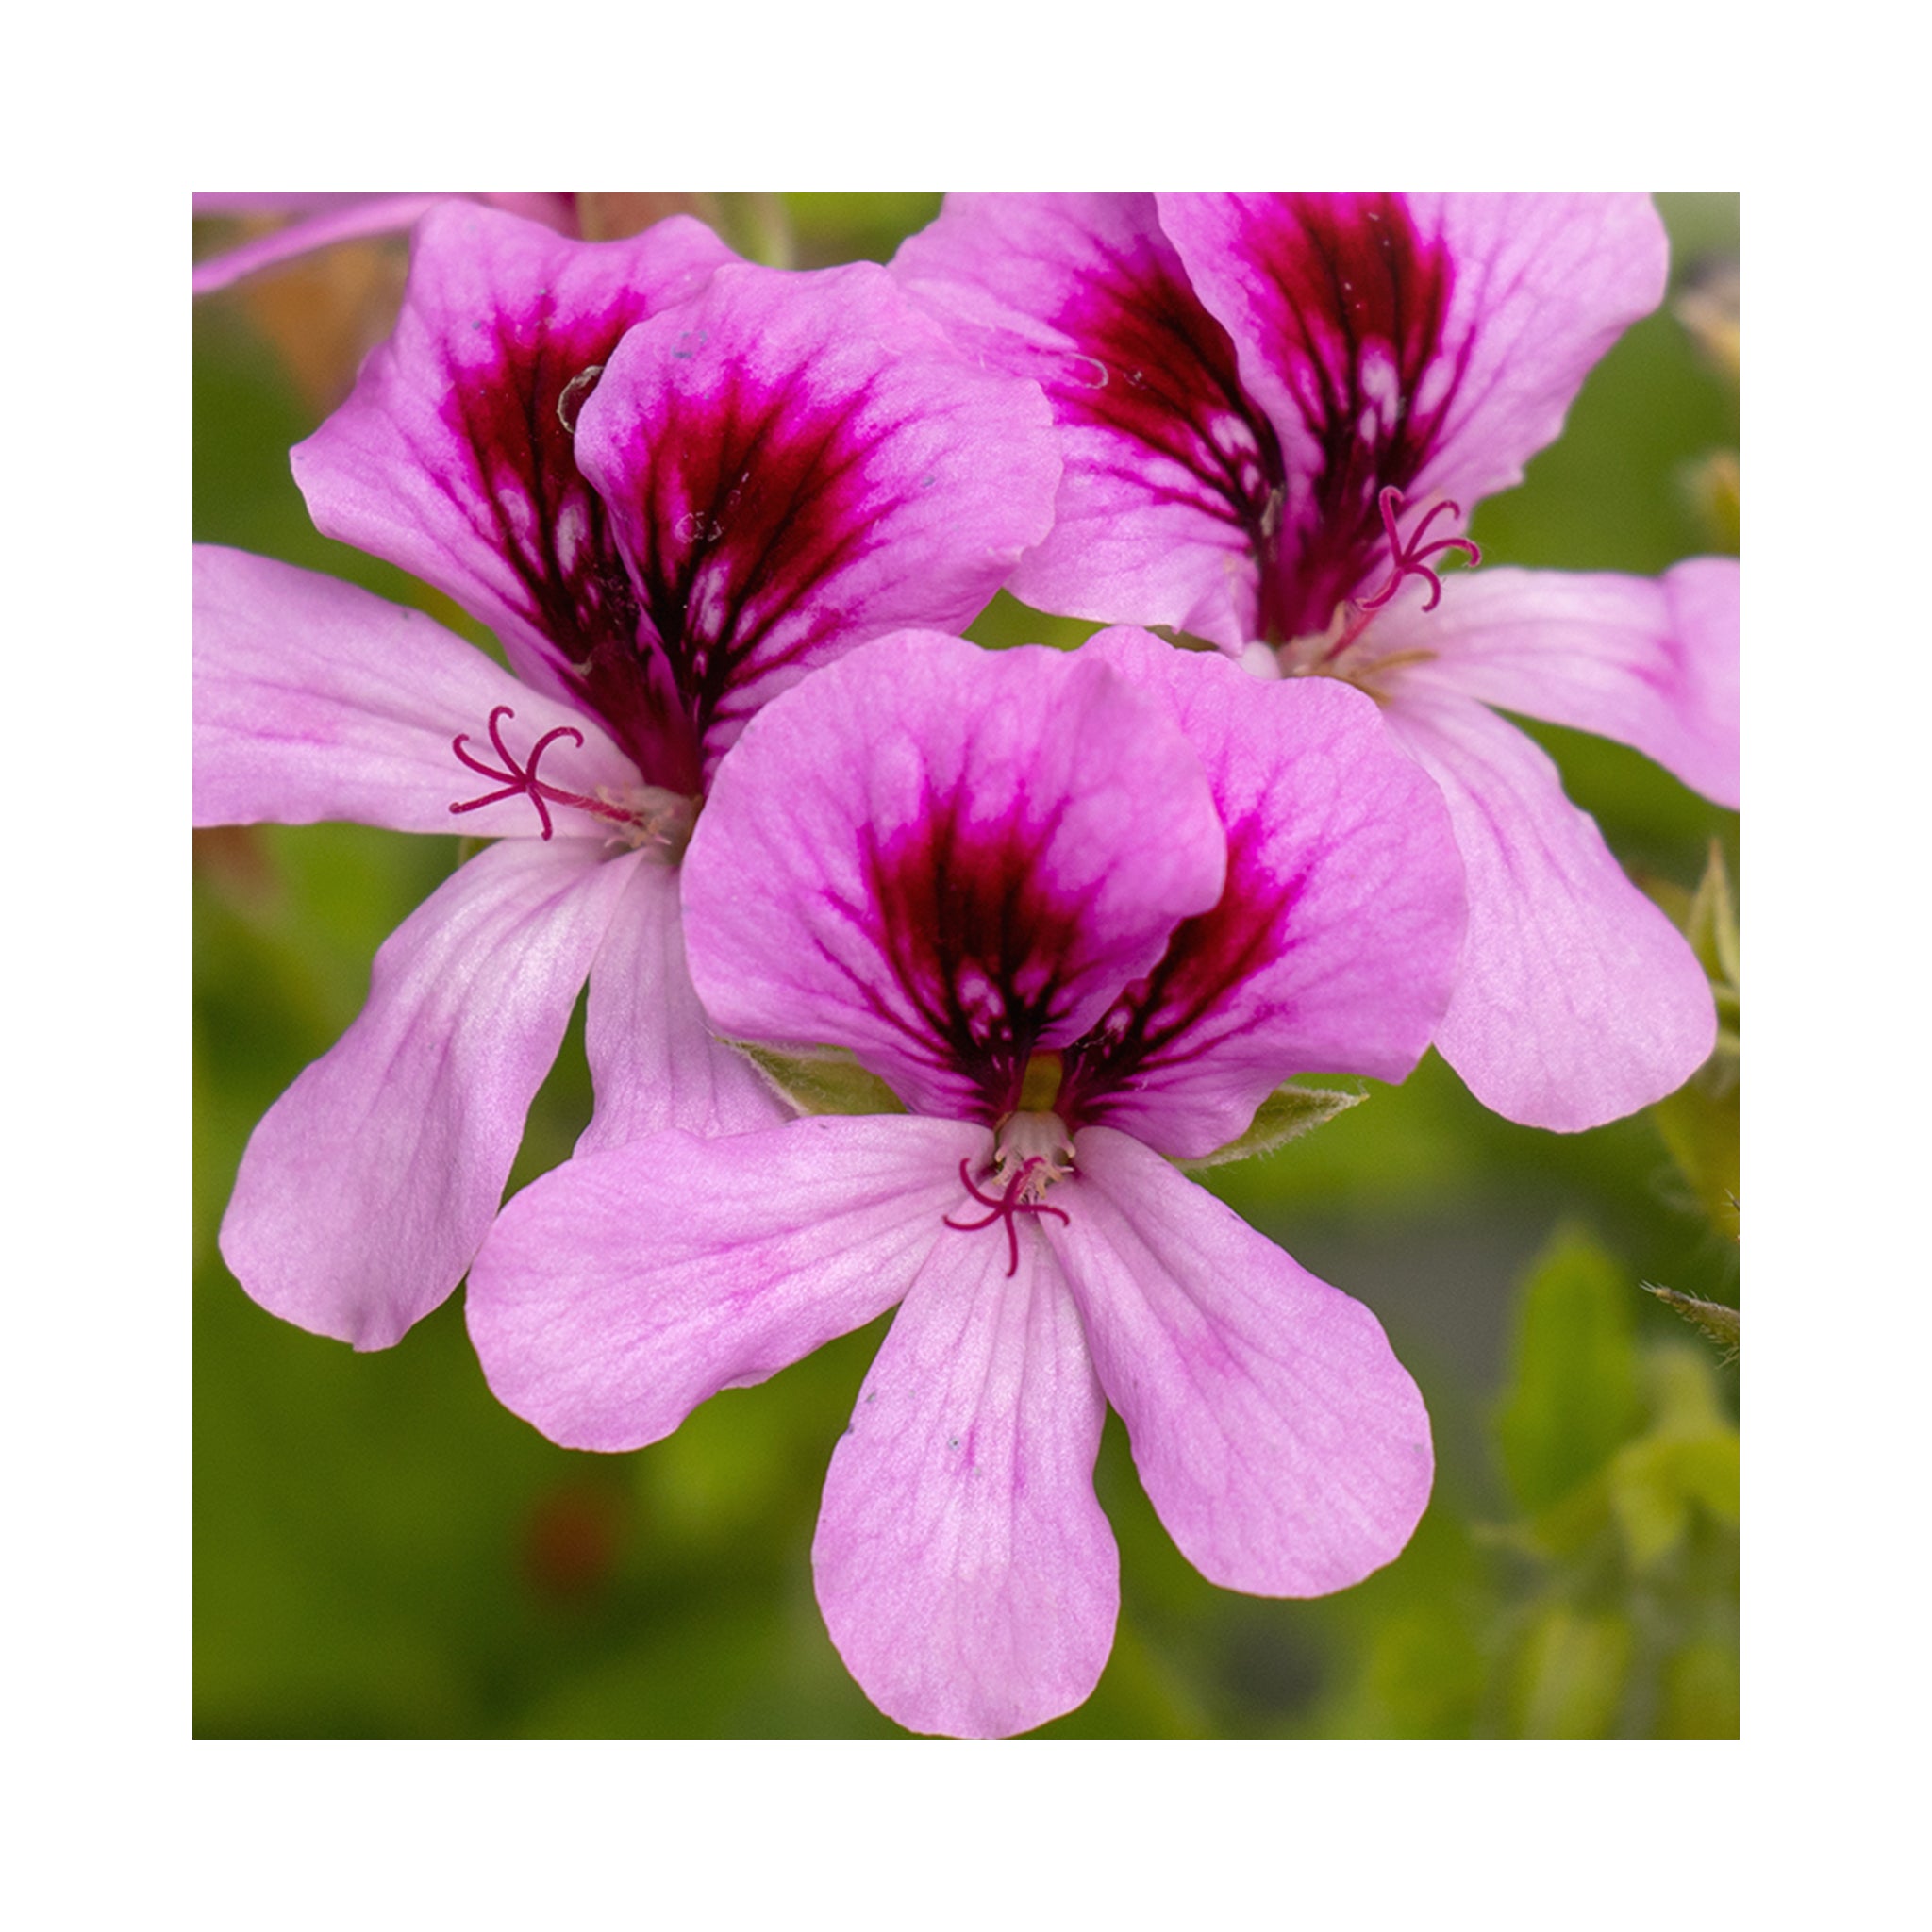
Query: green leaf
<point x="829" y="1082"/>
<point x="1569" y="1672"/>
<point x="1684" y="1463"/>
<point x="1572" y="1397"/>
<point x="1286" y="1114"/>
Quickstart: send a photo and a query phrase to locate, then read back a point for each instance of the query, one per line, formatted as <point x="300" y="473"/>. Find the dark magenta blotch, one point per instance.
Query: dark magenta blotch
<point x="980" y="945"/>
<point x="1166" y="370"/>
<point x="1354" y="285"/>
<point x="1169" y="1016"/>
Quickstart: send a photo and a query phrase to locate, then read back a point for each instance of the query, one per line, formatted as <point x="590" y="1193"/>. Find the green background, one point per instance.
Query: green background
<point x="380" y="1550"/>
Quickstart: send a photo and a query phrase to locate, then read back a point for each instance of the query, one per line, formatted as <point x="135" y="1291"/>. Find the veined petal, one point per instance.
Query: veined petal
<point x="655" y="1062"/>
<point x="960" y="857"/>
<point x="340" y="218"/>
<point x="797" y="463"/>
<point x="454" y="457"/>
<point x="1428" y="341"/>
<point x="1650" y="662"/>
<point x="1333" y="946"/>
<point x="1169" y="467"/>
<point x="626" y="1287"/>
<point x="964" y="1567"/>
<point x="1577" y="1002"/>
<point x="315" y="700"/>
<point x="1281" y="1443"/>
<point x="365" y="1190"/>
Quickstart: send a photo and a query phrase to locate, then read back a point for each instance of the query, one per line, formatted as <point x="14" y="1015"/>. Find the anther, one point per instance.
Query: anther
<point x="575" y="395"/>
<point x="1409" y="559"/>
<point x="1005" y="1205"/>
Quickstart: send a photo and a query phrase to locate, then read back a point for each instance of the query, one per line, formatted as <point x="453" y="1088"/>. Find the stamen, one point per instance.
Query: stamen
<point x="521" y="780"/>
<point x="1007" y="1206"/>
<point x="575" y="395"/>
<point x="1407" y="559"/>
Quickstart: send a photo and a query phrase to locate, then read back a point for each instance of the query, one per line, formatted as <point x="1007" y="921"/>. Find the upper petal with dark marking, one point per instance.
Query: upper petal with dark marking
<point x="797" y="463"/>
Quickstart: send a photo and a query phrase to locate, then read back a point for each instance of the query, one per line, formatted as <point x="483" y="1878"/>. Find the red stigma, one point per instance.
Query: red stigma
<point x="1005" y="1206"/>
<point x="1409" y="559"/>
<point x="521" y="780"/>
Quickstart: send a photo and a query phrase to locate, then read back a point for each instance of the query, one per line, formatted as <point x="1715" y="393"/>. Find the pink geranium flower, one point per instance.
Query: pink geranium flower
<point x="1275" y="411"/>
<point x="1082" y="913"/>
<point x="671" y="483"/>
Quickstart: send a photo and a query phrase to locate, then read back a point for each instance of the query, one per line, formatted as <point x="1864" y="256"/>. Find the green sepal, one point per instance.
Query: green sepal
<point x="1713" y="927"/>
<point x="1285" y="1115"/>
<point x="827" y="1082"/>
<point x="1699" y="1122"/>
<point x="1717" y="1321"/>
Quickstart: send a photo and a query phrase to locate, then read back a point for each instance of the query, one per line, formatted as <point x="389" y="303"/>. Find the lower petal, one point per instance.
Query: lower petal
<point x="314" y="699"/>
<point x="367" y="1187"/>
<point x="626" y="1286"/>
<point x="965" y="1569"/>
<point x="1578" y="1002"/>
<point x="1650" y="662"/>
<point x="1281" y="1443"/>
<point x="655" y="1062"/>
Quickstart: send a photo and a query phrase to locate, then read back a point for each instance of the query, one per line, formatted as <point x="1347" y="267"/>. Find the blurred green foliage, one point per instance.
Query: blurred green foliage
<point x="381" y="1550"/>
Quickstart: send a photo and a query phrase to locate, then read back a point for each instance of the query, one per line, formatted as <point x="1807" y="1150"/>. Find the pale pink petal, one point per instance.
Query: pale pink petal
<point x="655" y="1062"/>
<point x="1650" y="662"/>
<point x="315" y="700"/>
<point x="1169" y="467"/>
<point x="455" y="456"/>
<point x="1284" y="1446"/>
<point x="964" y="1568"/>
<point x="960" y="857"/>
<point x="329" y="219"/>
<point x="797" y="463"/>
<point x="1333" y="947"/>
<point x="1578" y="1000"/>
<point x="344" y="218"/>
<point x="368" y="1185"/>
<point x="626" y="1286"/>
<point x="1433" y="343"/>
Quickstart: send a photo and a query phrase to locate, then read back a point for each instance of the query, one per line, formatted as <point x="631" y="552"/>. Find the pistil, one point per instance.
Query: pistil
<point x="1031" y="1150"/>
<point x="648" y="816"/>
<point x="1324" y="655"/>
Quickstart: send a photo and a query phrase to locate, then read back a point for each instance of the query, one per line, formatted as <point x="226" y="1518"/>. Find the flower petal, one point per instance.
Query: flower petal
<point x="1284" y="1446"/>
<point x="964" y="1567"/>
<point x="626" y="1287"/>
<point x="334" y="218"/>
<point x="315" y="700"/>
<point x="1334" y="945"/>
<point x="655" y="1062"/>
<point x="797" y="463"/>
<point x="961" y="856"/>
<point x="454" y="457"/>
<point x="1428" y="341"/>
<point x="328" y="219"/>
<point x="366" y="1187"/>
<point x="1650" y="662"/>
<point x="1578" y="1002"/>
<point x="1169" y="466"/>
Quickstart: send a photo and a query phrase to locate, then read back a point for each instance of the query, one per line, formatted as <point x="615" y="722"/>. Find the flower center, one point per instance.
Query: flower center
<point x="1030" y="1152"/>
<point x="1335" y="651"/>
<point x="641" y="815"/>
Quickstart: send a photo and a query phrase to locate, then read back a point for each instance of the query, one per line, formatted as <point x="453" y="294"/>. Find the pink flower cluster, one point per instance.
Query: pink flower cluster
<point x="1081" y="913"/>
